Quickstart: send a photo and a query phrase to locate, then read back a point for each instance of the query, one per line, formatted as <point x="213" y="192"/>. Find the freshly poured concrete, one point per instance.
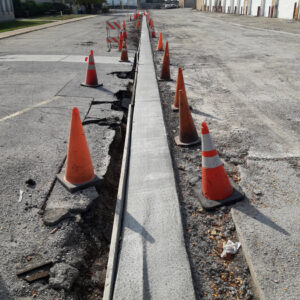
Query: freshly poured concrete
<point x="152" y="261"/>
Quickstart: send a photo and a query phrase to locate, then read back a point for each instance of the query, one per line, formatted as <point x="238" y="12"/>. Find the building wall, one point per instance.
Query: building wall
<point x="189" y="3"/>
<point x="286" y="9"/>
<point x="281" y="8"/>
<point x="254" y="6"/>
<point x="267" y="5"/>
<point x="199" y="4"/>
<point x="6" y="10"/>
<point x="235" y="5"/>
<point x="226" y="4"/>
<point x="232" y="6"/>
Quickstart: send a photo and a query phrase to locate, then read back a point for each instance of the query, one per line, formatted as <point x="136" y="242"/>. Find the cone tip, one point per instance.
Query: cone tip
<point x="75" y="110"/>
<point x="204" y="128"/>
<point x="92" y="52"/>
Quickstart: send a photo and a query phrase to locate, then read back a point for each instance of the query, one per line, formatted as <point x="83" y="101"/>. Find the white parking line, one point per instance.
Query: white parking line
<point x="29" y="108"/>
<point x="59" y="58"/>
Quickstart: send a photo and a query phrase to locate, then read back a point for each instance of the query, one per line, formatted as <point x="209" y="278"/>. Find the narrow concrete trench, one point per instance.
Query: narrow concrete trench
<point x="97" y="221"/>
<point x="79" y="269"/>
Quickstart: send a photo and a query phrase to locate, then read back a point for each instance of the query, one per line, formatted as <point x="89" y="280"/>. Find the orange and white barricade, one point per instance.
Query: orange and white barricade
<point x="113" y="29"/>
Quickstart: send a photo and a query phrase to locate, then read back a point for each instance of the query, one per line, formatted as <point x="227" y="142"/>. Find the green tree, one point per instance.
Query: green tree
<point x="91" y="5"/>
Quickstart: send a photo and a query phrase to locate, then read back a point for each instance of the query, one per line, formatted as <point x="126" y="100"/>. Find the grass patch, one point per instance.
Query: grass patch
<point x="59" y="17"/>
<point x="13" y="25"/>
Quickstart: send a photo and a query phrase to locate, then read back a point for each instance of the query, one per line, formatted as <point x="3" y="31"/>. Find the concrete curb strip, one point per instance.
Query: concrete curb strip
<point x="8" y="34"/>
<point x="152" y="261"/>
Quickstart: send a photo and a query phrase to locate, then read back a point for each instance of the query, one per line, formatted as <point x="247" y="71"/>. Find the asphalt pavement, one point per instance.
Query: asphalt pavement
<point x="39" y="87"/>
<point x="242" y="78"/>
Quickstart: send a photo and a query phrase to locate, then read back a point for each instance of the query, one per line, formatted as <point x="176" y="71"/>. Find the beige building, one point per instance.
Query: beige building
<point x="285" y="9"/>
<point x="187" y="3"/>
<point x="6" y="10"/>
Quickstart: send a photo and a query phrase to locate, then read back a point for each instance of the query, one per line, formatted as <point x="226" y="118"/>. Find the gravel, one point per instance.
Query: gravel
<point x="205" y="232"/>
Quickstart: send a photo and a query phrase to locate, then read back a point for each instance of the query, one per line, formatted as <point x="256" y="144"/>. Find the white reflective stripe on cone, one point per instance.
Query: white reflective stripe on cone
<point x="207" y="143"/>
<point x="211" y="162"/>
<point x="91" y="59"/>
<point x="92" y="67"/>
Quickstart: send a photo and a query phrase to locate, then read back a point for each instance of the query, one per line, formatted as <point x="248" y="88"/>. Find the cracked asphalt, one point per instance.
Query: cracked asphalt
<point x="37" y="94"/>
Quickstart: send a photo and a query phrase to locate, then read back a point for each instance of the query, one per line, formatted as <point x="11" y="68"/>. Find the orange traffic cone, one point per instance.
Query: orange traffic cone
<point x="91" y="74"/>
<point x="165" y="71"/>
<point x="124" y="25"/>
<point x="160" y="46"/>
<point x="124" y="34"/>
<point x="216" y="187"/>
<point x="134" y="17"/>
<point x="188" y="135"/>
<point x="153" y="33"/>
<point x="179" y="86"/>
<point x="138" y="24"/>
<point x="124" y="55"/>
<point x="79" y="172"/>
<point x="152" y="23"/>
<point x="120" y="46"/>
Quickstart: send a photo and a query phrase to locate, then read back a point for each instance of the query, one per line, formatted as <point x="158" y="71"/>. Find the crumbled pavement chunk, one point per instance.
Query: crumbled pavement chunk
<point x="62" y="276"/>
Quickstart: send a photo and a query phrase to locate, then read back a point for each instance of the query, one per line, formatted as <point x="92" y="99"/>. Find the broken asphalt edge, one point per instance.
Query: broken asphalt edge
<point x="111" y="269"/>
<point x="12" y="33"/>
<point x="248" y="257"/>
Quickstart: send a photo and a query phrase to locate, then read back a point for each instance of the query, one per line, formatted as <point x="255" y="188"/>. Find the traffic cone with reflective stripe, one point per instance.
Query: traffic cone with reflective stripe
<point x="160" y="46"/>
<point x="124" y="55"/>
<point x="138" y="24"/>
<point x="91" y="74"/>
<point x="124" y="35"/>
<point x="134" y="17"/>
<point x="179" y="86"/>
<point x="79" y="172"/>
<point x="120" y="46"/>
<point x="188" y="135"/>
<point x="153" y="33"/>
<point x="151" y="23"/>
<point x="216" y="187"/>
<point x="124" y="25"/>
<point x="165" y="71"/>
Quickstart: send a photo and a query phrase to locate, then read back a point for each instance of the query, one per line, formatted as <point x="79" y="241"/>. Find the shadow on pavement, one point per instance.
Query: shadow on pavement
<point x="200" y="113"/>
<point x="135" y="226"/>
<point x="248" y="209"/>
<point x="4" y="295"/>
